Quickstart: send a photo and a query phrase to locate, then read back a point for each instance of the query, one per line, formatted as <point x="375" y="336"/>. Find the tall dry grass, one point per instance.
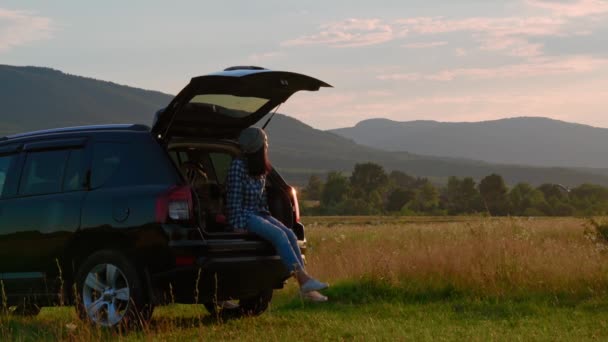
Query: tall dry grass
<point x="480" y="257"/>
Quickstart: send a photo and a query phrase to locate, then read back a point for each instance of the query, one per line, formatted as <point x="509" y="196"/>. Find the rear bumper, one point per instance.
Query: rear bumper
<point x="221" y="270"/>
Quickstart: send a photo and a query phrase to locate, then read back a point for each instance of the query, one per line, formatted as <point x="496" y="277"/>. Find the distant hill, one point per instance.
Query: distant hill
<point x="37" y="98"/>
<point x="300" y="150"/>
<point x="524" y="140"/>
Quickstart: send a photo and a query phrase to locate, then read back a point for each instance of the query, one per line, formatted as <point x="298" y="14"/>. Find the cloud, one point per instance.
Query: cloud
<point x="19" y="28"/>
<point x="460" y="52"/>
<point x="508" y="35"/>
<point x="507" y="26"/>
<point x="512" y="46"/>
<point x="543" y="66"/>
<point x="580" y="8"/>
<point x="347" y="33"/>
<point x="424" y="45"/>
<point x="379" y="93"/>
<point x="260" y="57"/>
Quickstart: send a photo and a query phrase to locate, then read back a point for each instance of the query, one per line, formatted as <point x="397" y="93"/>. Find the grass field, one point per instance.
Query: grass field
<point x="403" y="278"/>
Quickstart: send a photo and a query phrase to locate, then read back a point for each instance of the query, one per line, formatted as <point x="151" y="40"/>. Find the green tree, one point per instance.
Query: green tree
<point x="367" y="178"/>
<point x="554" y="191"/>
<point x="453" y="196"/>
<point x="426" y="199"/>
<point x="493" y="191"/>
<point x="401" y="180"/>
<point x="368" y="183"/>
<point x="314" y="188"/>
<point x="590" y="199"/>
<point x="335" y="190"/>
<point x="526" y="200"/>
<point x="557" y="200"/>
<point x="398" y="198"/>
<point x="470" y="197"/>
<point x="462" y="196"/>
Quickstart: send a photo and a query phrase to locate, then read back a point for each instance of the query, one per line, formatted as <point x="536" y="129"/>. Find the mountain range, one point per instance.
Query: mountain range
<point x="37" y="98"/>
<point x="522" y="140"/>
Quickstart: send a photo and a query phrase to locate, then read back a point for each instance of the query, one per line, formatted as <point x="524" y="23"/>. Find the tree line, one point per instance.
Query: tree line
<point x="370" y="190"/>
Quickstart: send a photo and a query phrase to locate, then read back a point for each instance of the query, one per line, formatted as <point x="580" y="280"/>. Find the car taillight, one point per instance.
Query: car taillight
<point x="296" y="206"/>
<point x="184" y="260"/>
<point x="175" y="205"/>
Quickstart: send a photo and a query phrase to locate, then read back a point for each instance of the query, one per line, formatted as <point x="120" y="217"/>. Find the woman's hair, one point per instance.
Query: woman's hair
<point x="258" y="162"/>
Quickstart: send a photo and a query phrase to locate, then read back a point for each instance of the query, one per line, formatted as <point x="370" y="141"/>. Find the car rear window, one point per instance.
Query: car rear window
<point x="230" y="105"/>
<point x="107" y="158"/>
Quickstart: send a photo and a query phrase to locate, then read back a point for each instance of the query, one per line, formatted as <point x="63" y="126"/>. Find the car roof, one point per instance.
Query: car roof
<point x="78" y="129"/>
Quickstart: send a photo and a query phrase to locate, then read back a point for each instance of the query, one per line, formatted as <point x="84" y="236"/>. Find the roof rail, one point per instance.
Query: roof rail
<point x="121" y="127"/>
<point x="244" y="67"/>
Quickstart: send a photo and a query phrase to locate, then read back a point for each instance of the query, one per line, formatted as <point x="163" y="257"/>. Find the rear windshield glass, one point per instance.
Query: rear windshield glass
<point x="230" y="105"/>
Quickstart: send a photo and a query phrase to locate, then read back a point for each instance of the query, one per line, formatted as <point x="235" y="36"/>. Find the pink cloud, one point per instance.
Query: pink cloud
<point x="258" y="57"/>
<point x="379" y="93"/>
<point x="513" y="46"/>
<point x="580" y="8"/>
<point x="532" y="26"/>
<point x="511" y="31"/>
<point x="460" y="52"/>
<point x="424" y="45"/>
<point x="347" y="33"/>
<point x="509" y="35"/>
<point x="20" y="28"/>
<point x="533" y="68"/>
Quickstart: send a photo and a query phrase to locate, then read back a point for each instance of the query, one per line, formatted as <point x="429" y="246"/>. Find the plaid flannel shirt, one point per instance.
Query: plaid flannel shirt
<point x="244" y="194"/>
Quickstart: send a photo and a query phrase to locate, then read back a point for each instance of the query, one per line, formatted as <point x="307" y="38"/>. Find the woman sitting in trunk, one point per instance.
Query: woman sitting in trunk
<point x="247" y="208"/>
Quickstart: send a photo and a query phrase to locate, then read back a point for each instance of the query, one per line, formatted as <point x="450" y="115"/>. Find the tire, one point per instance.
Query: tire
<point x="250" y="306"/>
<point x="111" y="292"/>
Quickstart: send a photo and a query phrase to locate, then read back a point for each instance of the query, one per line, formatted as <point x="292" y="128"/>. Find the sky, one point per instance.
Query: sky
<point x="452" y="60"/>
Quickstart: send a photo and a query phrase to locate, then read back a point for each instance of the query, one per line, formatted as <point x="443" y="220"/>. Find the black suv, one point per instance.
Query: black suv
<point x="119" y="218"/>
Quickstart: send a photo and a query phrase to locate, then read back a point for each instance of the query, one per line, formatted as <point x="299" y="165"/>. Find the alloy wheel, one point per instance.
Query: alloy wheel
<point x="106" y="295"/>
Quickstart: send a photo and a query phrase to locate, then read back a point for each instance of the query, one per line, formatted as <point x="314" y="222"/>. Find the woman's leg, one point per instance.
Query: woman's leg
<point x="293" y="239"/>
<point x="277" y="237"/>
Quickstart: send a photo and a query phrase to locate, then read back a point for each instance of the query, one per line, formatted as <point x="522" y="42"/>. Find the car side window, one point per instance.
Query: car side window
<point x="43" y="172"/>
<point x="74" y="178"/>
<point x="107" y="158"/>
<point x="5" y="164"/>
<point x="221" y="165"/>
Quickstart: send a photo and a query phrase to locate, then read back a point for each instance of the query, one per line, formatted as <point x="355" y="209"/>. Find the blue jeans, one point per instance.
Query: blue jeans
<point x="282" y="238"/>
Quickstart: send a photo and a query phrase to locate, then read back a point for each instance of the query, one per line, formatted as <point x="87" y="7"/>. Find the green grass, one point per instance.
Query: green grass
<point x="358" y="311"/>
<point x="404" y="279"/>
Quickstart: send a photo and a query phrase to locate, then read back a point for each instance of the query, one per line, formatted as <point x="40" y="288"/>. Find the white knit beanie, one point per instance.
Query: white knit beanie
<point x="252" y="139"/>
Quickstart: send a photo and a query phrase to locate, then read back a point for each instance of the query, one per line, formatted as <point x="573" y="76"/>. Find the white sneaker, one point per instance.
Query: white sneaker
<point x="314" y="296"/>
<point x="227" y="305"/>
<point x="313" y="285"/>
